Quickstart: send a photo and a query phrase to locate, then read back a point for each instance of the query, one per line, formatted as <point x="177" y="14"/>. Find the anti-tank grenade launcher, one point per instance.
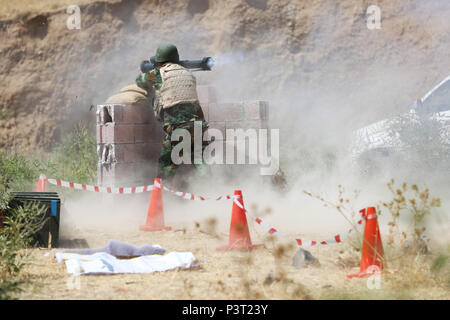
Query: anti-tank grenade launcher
<point x="204" y="64"/>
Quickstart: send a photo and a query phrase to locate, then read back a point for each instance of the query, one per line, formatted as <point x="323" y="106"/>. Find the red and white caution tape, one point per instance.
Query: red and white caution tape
<point x="130" y="190"/>
<point x="190" y="196"/>
<point x="300" y="242"/>
<point x="86" y="187"/>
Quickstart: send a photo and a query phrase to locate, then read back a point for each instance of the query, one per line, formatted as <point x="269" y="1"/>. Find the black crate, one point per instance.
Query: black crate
<point x="52" y="204"/>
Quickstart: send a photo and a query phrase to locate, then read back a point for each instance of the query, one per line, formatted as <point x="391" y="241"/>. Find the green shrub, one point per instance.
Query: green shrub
<point x="20" y="225"/>
<point x="4" y="114"/>
<point x="8" y="288"/>
<point x="16" y="172"/>
<point x="74" y="158"/>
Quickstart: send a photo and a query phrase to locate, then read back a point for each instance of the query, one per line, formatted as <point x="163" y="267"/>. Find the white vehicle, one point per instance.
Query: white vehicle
<point x="387" y="140"/>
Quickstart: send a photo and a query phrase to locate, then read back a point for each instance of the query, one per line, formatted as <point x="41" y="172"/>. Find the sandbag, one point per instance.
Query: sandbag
<point x="131" y="95"/>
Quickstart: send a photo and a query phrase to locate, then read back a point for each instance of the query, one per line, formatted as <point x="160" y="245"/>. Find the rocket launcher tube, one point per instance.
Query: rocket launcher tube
<point x="204" y="64"/>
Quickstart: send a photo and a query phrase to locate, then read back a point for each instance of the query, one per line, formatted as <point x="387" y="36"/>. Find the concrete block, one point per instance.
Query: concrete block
<point x="226" y="111"/>
<point x="138" y="114"/>
<point x="99" y="133"/>
<point x="117" y="133"/>
<point x="152" y="151"/>
<point x="137" y="152"/>
<point x="116" y="112"/>
<point x="127" y="174"/>
<point x="107" y="113"/>
<point x="142" y="133"/>
<point x="124" y="114"/>
<point x="128" y="133"/>
<point x="256" y="110"/>
<point x="120" y="170"/>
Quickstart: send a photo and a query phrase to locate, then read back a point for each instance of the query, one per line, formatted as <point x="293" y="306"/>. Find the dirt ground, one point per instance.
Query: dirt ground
<point x="263" y="273"/>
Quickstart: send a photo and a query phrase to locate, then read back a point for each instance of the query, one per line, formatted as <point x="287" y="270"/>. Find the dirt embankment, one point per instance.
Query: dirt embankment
<point x="292" y="53"/>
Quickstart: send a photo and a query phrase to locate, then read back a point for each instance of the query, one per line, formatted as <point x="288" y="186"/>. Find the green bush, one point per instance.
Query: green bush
<point x="74" y="158"/>
<point x="4" y="114"/>
<point x="8" y="288"/>
<point x="16" y="172"/>
<point x="20" y="224"/>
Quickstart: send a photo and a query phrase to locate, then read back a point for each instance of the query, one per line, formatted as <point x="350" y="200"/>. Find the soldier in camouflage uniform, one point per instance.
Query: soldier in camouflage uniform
<point x="176" y="102"/>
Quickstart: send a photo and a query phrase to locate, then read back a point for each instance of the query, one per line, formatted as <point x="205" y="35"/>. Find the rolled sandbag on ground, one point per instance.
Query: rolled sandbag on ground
<point x="121" y="250"/>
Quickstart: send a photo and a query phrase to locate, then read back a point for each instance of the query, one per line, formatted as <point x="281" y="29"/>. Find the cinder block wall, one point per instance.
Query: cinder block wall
<point x="232" y="115"/>
<point x="129" y="138"/>
<point x="128" y="144"/>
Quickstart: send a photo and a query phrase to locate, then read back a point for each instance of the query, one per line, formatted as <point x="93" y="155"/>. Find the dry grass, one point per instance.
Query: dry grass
<point x="264" y="273"/>
<point x="414" y="271"/>
<point x="19" y="9"/>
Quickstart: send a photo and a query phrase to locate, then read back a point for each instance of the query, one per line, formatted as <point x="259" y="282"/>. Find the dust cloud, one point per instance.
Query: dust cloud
<point x="319" y="93"/>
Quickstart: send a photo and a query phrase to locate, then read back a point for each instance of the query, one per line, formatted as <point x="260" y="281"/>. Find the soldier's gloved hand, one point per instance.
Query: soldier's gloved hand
<point x="146" y="66"/>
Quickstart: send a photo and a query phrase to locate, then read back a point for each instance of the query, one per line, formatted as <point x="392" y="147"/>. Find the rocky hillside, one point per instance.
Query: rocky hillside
<point x="315" y="61"/>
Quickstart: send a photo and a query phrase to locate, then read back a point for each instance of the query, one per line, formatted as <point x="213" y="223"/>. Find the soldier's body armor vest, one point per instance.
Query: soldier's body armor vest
<point x="178" y="86"/>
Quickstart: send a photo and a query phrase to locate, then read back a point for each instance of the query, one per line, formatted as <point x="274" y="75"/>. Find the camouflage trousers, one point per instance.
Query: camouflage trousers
<point x="166" y="167"/>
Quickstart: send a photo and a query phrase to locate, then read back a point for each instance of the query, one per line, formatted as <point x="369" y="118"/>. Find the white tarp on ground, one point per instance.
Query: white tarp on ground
<point x="104" y="263"/>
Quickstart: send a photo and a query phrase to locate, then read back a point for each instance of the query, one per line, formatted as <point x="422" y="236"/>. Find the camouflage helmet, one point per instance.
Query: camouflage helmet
<point x="167" y="52"/>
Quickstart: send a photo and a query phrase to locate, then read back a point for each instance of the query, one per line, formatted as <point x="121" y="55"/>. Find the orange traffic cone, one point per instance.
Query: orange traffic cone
<point x="42" y="184"/>
<point x="372" y="259"/>
<point x="155" y="215"/>
<point x="239" y="234"/>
